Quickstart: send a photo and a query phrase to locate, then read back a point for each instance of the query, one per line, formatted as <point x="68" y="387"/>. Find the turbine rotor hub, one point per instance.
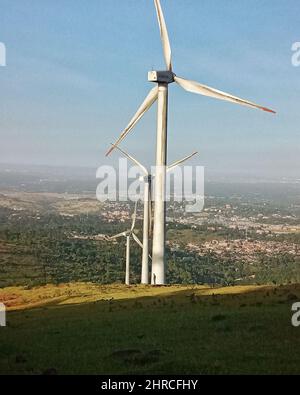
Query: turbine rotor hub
<point x="165" y="77"/>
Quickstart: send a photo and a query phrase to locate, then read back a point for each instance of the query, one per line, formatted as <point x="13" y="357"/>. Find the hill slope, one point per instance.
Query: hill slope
<point x="85" y="328"/>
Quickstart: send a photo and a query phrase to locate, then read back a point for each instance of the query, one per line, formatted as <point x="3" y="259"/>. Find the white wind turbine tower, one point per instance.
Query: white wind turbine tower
<point x="147" y="224"/>
<point x="160" y="93"/>
<point x="128" y="234"/>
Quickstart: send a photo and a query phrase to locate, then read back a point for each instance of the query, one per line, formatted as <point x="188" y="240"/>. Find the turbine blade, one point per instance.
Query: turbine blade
<point x="164" y="35"/>
<point x="144" y="170"/>
<point x="137" y="240"/>
<point x="175" y="164"/>
<point x="134" y="217"/>
<point x="123" y="234"/>
<point x="195" y="87"/>
<point x="150" y="99"/>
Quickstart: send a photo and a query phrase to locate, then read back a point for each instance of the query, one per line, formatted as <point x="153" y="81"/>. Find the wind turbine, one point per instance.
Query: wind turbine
<point x="160" y="93"/>
<point x="128" y="234"/>
<point x="147" y="224"/>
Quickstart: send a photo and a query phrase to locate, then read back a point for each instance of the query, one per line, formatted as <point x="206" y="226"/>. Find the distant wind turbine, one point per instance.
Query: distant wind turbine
<point x="147" y="225"/>
<point x="160" y="93"/>
<point x="128" y="234"/>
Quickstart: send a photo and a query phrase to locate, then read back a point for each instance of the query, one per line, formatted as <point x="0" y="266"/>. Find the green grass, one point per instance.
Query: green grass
<point x="174" y="330"/>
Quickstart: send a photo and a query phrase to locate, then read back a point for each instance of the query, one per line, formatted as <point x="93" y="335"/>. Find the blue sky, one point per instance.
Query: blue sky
<point x="77" y="71"/>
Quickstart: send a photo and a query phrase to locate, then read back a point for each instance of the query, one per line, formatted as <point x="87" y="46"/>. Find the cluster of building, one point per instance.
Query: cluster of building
<point x="231" y="217"/>
<point x="244" y="249"/>
<point x="116" y="212"/>
<point x="215" y="219"/>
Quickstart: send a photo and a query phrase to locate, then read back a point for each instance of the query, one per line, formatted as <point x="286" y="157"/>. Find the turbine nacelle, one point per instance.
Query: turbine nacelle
<point x="164" y="77"/>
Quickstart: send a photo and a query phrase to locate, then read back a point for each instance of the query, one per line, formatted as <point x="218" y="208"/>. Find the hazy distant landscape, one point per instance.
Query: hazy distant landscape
<point x="53" y="231"/>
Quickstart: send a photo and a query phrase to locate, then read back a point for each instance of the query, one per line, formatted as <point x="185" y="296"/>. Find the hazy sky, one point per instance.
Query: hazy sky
<point x="77" y="71"/>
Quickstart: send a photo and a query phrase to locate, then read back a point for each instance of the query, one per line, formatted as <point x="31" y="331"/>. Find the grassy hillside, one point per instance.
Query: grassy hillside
<point x="85" y="328"/>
